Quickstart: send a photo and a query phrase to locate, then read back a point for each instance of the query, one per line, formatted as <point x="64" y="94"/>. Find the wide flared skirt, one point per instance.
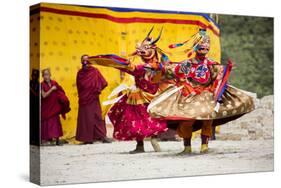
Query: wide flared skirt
<point x="132" y="121"/>
<point x="177" y="107"/>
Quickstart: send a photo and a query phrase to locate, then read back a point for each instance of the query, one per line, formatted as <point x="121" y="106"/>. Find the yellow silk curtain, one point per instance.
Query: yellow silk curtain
<point x="58" y="40"/>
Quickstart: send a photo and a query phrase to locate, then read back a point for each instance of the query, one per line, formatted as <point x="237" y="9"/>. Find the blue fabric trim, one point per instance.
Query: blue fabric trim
<point x="225" y="85"/>
<point x="222" y="91"/>
<point x="119" y="9"/>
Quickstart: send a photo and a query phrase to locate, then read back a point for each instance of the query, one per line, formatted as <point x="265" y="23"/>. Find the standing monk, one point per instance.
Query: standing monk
<point x="90" y="83"/>
<point x="54" y="102"/>
<point x="34" y="98"/>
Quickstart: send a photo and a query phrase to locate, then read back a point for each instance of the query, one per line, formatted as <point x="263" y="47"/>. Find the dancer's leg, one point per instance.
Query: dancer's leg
<point x="206" y="134"/>
<point x="155" y="144"/>
<point x="139" y="147"/>
<point x="185" y="131"/>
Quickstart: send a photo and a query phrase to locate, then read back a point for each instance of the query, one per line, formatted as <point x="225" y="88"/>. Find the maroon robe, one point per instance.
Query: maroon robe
<point x="51" y="107"/>
<point x="90" y="125"/>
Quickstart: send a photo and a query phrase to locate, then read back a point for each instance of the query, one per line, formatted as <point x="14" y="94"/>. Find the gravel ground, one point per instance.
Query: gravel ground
<point x="111" y="162"/>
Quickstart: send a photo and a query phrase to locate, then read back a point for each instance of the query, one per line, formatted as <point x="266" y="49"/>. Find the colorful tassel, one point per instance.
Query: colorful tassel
<point x="223" y="85"/>
<point x="193" y="41"/>
<point x="175" y="45"/>
<point x="164" y="58"/>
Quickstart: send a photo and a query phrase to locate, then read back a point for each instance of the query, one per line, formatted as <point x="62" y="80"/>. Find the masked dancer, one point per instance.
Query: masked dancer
<point x="129" y="114"/>
<point x="201" y="97"/>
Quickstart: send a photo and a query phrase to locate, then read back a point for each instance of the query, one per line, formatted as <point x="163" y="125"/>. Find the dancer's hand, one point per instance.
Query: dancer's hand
<point x="131" y="66"/>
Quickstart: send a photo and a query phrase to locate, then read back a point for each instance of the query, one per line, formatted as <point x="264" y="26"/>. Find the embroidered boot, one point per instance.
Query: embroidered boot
<point x="139" y="148"/>
<point x="204" y="145"/>
<point x="187" y="146"/>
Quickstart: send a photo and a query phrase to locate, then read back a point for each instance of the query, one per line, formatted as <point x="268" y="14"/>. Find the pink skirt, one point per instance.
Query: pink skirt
<point x="132" y="122"/>
<point x="51" y="128"/>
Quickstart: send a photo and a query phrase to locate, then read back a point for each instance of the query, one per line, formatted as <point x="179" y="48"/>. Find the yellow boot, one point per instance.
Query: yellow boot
<point x="204" y="148"/>
<point x="186" y="150"/>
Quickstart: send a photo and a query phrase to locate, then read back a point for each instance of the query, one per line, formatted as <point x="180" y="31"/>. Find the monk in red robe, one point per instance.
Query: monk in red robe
<point x="34" y="98"/>
<point x="54" y="103"/>
<point x="90" y="125"/>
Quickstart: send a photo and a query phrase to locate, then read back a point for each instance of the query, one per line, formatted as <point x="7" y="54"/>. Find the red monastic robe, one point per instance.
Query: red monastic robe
<point x="90" y="125"/>
<point x="51" y="107"/>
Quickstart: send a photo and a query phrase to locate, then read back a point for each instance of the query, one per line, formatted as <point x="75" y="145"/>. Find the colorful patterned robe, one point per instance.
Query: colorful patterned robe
<point x="194" y="96"/>
<point x="129" y="115"/>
